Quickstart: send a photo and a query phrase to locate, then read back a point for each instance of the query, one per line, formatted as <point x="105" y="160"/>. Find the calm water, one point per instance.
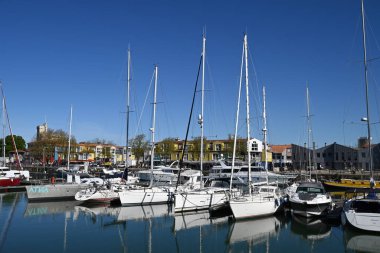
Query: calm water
<point x="65" y="227"/>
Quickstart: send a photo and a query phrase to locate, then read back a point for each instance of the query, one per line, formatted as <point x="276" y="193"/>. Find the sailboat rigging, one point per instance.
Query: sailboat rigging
<point x="364" y="212"/>
<point x="151" y="194"/>
<point x="267" y="200"/>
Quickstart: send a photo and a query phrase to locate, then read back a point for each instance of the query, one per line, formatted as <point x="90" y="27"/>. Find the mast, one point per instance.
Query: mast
<point x="366" y="91"/>
<point x="201" y="119"/>
<point x="237" y="119"/>
<point x="68" y="150"/>
<point x="308" y="130"/>
<point x="4" y="126"/>
<point x="128" y="109"/>
<point x="153" y="125"/>
<point x="247" y="108"/>
<point x="265" y="135"/>
<point x="10" y="128"/>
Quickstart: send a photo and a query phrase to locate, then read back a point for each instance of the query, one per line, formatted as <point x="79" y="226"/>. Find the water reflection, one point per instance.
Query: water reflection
<point x="183" y="221"/>
<point x="310" y="229"/>
<point x="361" y="241"/>
<point x="49" y="208"/>
<point x="255" y="232"/>
<point x="78" y="228"/>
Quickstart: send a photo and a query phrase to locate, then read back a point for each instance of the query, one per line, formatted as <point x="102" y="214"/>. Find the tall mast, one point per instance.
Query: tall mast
<point x="366" y="91"/>
<point x="4" y="126"/>
<point x="237" y="119"/>
<point x="201" y="119"/>
<point x="128" y="109"/>
<point x="247" y="109"/>
<point x="10" y="127"/>
<point x="265" y="135"/>
<point x="153" y="125"/>
<point x="68" y="150"/>
<point x="308" y="129"/>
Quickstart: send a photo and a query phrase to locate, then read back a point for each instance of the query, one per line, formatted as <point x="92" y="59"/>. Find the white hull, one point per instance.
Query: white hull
<point x="254" y="206"/>
<point x="199" y="200"/>
<point x="145" y="196"/>
<point x="364" y="220"/>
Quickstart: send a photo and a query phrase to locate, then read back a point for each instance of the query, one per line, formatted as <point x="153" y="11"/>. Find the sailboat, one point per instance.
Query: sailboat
<point x="267" y="199"/>
<point x="310" y="198"/>
<point x="204" y="197"/>
<point x="151" y="194"/>
<point x="364" y="212"/>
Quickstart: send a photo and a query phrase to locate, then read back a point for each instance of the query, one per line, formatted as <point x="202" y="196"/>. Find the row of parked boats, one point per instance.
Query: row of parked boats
<point x="216" y="194"/>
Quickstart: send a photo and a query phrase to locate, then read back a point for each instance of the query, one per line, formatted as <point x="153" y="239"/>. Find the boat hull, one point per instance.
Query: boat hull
<point x="146" y="196"/>
<point x="254" y="206"/>
<point x="53" y="192"/>
<point x="362" y="214"/>
<point x="309" y="209"/>
<point x="6" y="182"/>
<point x="346" y="184"/>
<point x="196" y="201"/>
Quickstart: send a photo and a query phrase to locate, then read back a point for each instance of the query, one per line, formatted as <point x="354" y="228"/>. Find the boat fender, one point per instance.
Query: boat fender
<point x="52" y="180"/>
<point x="276" y="202"/>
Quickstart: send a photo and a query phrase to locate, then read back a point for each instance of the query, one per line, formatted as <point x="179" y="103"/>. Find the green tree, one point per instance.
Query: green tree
<point x="19" y="141"/>
<point x="139" y="146"/>
<point x="47" y="142"/>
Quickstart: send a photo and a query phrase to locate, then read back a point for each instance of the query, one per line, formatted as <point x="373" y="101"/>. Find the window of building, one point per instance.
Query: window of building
<point x="218" y="147"/>
<point x="363" y="155"/>
<point x="318" y="154"/>
<point x="255" y="146"/>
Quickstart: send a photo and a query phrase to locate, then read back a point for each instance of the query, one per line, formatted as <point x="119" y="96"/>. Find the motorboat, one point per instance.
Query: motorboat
<point x="310" y="199"/>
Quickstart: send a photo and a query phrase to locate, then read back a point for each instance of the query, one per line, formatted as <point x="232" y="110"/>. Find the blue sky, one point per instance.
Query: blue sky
<point x="54" y="54"/>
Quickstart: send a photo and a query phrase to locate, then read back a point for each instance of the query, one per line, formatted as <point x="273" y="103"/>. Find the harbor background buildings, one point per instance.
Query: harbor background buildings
<point x="284" y="157"/>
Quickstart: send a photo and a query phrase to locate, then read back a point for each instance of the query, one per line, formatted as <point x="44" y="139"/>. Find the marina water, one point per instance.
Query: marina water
<point x="68" y="227"/>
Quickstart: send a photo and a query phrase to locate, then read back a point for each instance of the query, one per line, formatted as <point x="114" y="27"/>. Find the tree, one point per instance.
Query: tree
<point x="47" y="143"/>
<point x="139" y="146"/>
<point x="19" y="141"/>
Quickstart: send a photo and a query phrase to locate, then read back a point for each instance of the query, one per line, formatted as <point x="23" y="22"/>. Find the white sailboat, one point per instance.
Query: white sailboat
<point x="267" y="199"/>
<point x="364" y="212"/>
<point x="152" y="194"/>
<point x="204" y="197"/>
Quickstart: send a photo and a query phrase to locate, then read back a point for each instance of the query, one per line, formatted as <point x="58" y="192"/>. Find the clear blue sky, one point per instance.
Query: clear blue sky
<point x="54" y="54"/>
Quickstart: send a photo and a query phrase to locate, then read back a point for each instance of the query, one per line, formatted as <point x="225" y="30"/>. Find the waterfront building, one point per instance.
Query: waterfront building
<point x="281" y="157"/>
